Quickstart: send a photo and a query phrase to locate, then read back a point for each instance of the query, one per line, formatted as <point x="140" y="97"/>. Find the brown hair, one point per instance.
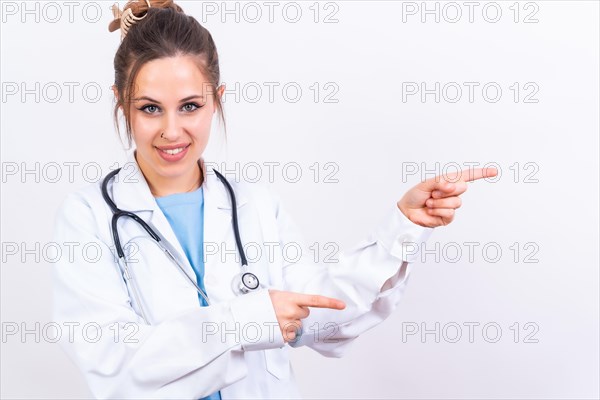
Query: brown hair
<point x="165" y="31"/>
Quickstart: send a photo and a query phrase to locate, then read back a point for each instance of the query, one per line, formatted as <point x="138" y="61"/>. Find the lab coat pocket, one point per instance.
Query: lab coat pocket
<point x="278" y="362"/>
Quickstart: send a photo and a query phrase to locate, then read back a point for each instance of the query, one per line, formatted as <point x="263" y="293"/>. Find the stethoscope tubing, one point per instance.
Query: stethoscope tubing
<point x="127" y="273"/>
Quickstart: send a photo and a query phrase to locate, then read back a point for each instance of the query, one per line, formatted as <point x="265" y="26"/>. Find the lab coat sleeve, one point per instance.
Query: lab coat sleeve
<point x="122" y="357"/>
<point x="370" y="278"/>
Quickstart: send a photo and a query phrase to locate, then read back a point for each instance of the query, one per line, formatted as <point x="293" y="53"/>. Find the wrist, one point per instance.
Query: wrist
<point x="403" y="209"/>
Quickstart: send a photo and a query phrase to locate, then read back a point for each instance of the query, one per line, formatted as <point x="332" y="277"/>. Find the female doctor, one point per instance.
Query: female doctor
<point x="170" y="307"/>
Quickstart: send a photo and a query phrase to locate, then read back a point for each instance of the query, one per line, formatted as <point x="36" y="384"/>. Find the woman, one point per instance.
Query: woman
<point x="181" y="321"/>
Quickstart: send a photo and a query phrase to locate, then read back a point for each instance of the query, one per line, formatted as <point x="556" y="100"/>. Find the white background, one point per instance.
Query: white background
<point x="370" y="134"/>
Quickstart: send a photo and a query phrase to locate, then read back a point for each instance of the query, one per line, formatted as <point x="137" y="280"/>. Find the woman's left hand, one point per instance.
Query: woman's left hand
<point x="432" y="202"/>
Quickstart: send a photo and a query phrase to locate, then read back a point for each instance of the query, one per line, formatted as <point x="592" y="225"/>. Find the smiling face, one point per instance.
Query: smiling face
<point x="175" y="100"/>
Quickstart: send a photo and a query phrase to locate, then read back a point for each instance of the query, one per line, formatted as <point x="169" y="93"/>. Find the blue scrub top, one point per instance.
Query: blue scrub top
<point x="185" y="213"/>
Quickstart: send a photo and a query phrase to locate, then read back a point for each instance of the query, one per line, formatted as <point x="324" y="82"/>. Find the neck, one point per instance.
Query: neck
<point x="162" y="186"/>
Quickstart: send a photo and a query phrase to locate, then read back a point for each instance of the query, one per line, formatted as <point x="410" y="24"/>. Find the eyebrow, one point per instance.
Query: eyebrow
<point x="194" y="96"/>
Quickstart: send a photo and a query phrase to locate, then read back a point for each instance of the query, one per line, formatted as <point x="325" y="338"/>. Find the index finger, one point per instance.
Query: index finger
<point x="315" y="300"/>
<point x="473" y="174"/>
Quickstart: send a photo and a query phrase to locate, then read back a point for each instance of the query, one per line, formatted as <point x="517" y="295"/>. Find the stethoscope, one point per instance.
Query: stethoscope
<point x="243" y="283"/>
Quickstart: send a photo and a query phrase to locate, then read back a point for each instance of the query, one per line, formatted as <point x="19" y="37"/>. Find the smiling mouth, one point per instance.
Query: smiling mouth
<point x="174" y="151"/>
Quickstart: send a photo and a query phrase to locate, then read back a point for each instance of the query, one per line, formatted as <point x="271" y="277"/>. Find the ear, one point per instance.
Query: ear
<point x="220" y="91"/>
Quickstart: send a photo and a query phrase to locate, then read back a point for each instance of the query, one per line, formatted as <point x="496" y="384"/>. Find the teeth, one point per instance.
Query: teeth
<point x="174" y="151"/>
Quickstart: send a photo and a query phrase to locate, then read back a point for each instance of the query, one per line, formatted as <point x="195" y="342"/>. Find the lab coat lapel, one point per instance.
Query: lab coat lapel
<point x="130" y="189"/>
<point x="132" y="193"/>
<point x="218" y="217"/>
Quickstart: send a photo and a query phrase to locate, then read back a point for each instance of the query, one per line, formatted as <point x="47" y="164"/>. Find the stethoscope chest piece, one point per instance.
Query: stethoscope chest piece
<point x="245" y="283"/>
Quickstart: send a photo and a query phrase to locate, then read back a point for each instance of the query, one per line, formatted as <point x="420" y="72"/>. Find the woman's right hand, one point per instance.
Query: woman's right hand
<point x="291" y="308"/>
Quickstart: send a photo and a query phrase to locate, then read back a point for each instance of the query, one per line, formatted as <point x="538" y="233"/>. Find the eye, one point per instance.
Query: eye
<point x="150" y="109"/>
<point x="189" y="107"/>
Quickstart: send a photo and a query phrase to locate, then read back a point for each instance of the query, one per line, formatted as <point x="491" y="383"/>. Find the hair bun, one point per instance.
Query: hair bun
<point x="134" y="11"/>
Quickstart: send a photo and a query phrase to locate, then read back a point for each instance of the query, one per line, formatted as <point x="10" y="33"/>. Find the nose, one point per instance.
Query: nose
<point x="171" y="128"/>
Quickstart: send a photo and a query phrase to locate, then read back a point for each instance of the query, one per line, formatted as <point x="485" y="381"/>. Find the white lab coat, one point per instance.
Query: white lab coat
<point x="189" y="351"/>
